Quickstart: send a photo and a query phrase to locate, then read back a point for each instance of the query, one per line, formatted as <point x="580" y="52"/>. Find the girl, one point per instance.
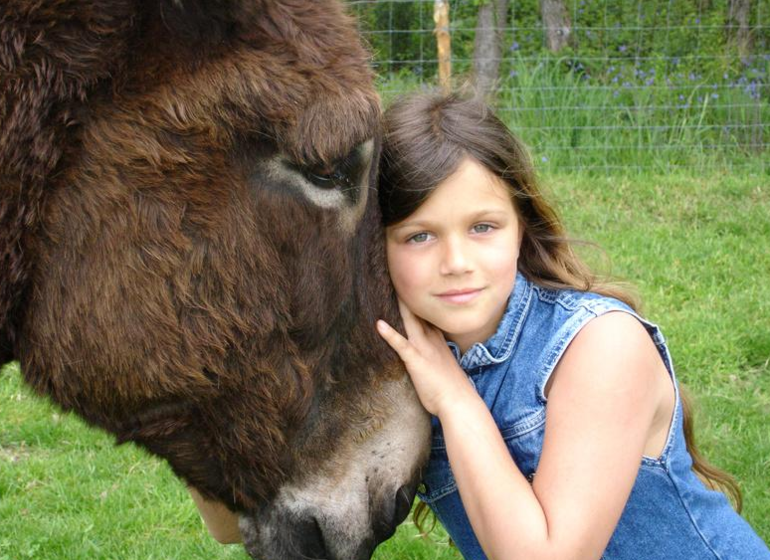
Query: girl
<point x="559" y="430"/>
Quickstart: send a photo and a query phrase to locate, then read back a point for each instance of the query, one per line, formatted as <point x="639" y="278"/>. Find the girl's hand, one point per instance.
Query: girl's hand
<point x="436" y="375"/>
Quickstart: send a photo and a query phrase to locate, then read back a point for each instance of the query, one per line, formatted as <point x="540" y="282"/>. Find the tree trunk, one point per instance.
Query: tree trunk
<point x="488" y="45"/>
<point x="740" y="32"/>
<point x="556" y="23"/>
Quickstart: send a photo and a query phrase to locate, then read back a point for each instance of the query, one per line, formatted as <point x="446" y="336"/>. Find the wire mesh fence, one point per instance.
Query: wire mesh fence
<point x="597" y="84"/>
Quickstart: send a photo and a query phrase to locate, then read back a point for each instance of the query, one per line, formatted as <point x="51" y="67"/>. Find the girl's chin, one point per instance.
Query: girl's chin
<point x="460" y="336"/>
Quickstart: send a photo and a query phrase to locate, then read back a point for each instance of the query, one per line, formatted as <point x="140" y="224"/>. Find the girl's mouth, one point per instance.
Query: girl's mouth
<point x="459" y="296"/>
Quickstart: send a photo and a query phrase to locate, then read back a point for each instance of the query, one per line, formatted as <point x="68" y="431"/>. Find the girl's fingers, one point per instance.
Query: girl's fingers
<point x="412" y="324"/>
<point x="394" y="339"/>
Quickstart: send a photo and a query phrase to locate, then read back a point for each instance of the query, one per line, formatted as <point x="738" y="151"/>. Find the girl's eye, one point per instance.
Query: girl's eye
<point x="482" y="228"/>
<point x="421" y="237"/>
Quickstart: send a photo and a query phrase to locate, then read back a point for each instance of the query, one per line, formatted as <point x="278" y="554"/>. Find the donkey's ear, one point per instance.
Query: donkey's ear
<point x="208" y="22"/>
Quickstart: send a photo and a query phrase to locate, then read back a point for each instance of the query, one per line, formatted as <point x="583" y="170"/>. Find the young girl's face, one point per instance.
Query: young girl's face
<point x="453" y="261"/>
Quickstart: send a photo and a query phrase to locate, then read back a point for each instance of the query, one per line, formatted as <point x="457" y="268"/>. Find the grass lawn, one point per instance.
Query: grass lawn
<point x="697" y="246"/>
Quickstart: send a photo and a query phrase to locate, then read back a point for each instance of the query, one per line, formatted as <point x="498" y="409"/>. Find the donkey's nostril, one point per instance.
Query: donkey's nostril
<point x="404" y="498"/>
<point x="391" y="516"/>
<point x="310" y="539"/>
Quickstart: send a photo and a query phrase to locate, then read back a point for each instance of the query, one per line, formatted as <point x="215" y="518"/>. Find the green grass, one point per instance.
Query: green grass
<point x="695" y="245"/>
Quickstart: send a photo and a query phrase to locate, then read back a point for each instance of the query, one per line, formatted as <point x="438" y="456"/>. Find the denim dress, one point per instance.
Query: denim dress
<point x="670" y="514"/>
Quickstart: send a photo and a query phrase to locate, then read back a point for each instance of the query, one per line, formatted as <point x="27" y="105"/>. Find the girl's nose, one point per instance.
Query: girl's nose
<point x="456" y="259"/>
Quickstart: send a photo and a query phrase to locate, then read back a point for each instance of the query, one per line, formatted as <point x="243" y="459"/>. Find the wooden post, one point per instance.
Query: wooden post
<point x="443" y="41"/>
<point x="740" y="32"/>
<point x="556" y="23"/>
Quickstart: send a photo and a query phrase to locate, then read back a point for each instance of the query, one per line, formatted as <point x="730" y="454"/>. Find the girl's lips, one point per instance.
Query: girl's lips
<point x="459" y="296"/>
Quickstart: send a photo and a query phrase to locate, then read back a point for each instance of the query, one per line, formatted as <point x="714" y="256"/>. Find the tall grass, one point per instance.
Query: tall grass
<point x="626" y="119"/>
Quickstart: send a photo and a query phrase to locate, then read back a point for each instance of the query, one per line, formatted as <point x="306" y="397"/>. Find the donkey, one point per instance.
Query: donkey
<point x="191" y="258"/>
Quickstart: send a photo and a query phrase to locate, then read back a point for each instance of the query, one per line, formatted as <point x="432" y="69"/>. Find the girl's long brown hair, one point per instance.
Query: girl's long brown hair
<point x="427" y="136"/>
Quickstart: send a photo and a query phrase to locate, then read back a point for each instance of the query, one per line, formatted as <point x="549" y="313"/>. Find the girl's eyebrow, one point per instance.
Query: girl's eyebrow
<point x="484" y="213"/>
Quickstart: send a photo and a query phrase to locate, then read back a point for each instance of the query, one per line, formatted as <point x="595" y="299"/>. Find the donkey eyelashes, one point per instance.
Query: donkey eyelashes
<point x="329" y="178"/>
<point x="339" y="182"/>
<point x="343" y="173"/>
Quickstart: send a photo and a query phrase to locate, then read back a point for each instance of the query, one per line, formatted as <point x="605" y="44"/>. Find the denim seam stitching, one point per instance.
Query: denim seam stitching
<point x="517" y="327"/>
<point x="689" y="515"/>
<point x="524" y="426"/>
<point x="556" y="352"/>
<point x="449" y="488"/>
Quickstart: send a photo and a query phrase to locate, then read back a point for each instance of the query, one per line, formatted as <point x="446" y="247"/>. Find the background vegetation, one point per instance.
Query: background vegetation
<point x="660" y="84"/>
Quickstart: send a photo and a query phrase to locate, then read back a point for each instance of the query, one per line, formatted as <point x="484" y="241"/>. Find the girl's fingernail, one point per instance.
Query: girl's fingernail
<point x="381" y="325"/>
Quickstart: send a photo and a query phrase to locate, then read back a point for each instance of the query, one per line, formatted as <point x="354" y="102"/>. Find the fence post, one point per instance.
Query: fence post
<point x="443" y="41"/>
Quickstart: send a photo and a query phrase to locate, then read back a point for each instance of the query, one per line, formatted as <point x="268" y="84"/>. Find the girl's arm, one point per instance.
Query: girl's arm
<point x="603" y="398"/>
<point x="220" y="521"/>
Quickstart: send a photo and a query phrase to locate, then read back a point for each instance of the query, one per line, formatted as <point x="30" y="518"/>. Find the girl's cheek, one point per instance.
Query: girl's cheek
<point x="408" y="275"/>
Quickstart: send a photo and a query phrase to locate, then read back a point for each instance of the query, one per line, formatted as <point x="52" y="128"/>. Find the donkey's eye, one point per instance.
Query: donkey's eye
<point x="333" y="182"/>
<point x="340" y="174"/>
<point x="335" y="177"/>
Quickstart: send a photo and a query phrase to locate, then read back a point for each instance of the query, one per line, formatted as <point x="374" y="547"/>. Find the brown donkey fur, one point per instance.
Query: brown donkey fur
<point x="164" y="269"/>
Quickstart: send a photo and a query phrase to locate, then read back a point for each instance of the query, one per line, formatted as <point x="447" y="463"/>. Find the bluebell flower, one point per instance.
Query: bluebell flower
<point x="622" y="48"/>
<point x="714" y="96"/>
<point x="544" y="159"/>
<point x="515" y="46"/>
